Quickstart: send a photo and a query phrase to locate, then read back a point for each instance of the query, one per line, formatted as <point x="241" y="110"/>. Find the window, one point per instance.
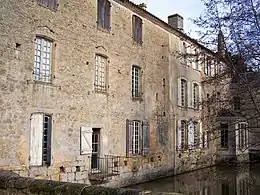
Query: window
<point x="207" y="138"/>
<point x="236" y="103"/>
<point x="40" y="139"/>
<point x="195" y="96"/>
<point x="104" y="14"/>
<point x="196" y="60"/>
<point x="208" y="104"/>
<point x="184" y="54"/>
<point x="42" y="60"/>
<point x="136" y="82"/>
<point x="196" y="135"/>
<point x="184" y="135"/>
<point x="183" y="92"/>
<point x="51" y="4"/>
<point x="100" y="73"/>
<point x="242" y="135"/>
<point x="137" y="29"/>
<point x="207" y="66"/>
<point x="137" y="137"/>
<point x="224" y="135"/>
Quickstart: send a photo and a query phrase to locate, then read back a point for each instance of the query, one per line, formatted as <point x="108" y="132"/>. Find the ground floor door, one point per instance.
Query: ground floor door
<point x="95" y="148"/>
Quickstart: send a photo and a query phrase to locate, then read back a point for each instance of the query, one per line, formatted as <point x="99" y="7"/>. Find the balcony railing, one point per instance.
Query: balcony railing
<point x="102" y="168"/>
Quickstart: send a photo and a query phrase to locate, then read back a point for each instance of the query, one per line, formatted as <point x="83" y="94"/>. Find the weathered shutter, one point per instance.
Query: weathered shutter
<point x="107" y="15"/>
<point x="49" y="133"/>
<point x="179" y="92"/>
<point x="191" y="135"/>
<point x="139" y="29"/>
<point x="189" y="93"/>
<point x="178" y="131"/>
<point x="200" y="134"/>
<point x="129" y="137"/>
<point x="146" y="137"/>
<point x="36" y="139"/>
<point x="134" y="27"/>
<point x="101" y="11"/>
<point x="86" y="140"/>
<point x="200" y="97"/>
<point x="200" y="62"/>
<point x="237" y="135"/>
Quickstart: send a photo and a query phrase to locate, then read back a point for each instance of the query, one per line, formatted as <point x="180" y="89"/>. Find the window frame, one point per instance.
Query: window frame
<point x="97" y="77"/>
<point x="242" y="135"/>
<point x="136" y="94"/>
<point x="196" y="95"/>
<point x="224" y="136"/>
<point x="184" y="135"/>
<point x="236" y="103"/>
<point x="183" y="92"/>
<point x="36" y="69"/>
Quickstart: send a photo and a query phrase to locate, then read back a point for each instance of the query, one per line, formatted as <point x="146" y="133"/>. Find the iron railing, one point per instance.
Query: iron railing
<point x="102" y="168"/>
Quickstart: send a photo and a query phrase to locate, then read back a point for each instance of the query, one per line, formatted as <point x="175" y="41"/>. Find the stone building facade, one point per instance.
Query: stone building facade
<point x="94" y="92"/>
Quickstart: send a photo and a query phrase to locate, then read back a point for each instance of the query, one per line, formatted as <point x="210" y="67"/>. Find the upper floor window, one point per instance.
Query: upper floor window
<point x="183" y="92"/>
<point x="184" y="54"/>
<point x="51" y="4"/>
<point x="42" y="59"/>
<point x="104" y="14"/>
<point x="40" y="139"/>
<point x="100" y="73"/>
<point x="136" y="82"/>
<point x="137" y="29"/>
<point x="207" y="66"/>
<point x="236" y="103"/>
<point x="196" y="59"/>
<point x="224" y="135"/>
<point x="184" y="134"/>
<point x="242" y="135"/>
<point x="195" y="96"/>
<point x="208" y="104"/>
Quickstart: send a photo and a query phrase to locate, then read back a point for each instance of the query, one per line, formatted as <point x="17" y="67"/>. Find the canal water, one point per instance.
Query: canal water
<point x="242" y="180"/>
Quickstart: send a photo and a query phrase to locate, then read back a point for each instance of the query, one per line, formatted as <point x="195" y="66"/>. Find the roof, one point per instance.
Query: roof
<point x="149" y="16"/>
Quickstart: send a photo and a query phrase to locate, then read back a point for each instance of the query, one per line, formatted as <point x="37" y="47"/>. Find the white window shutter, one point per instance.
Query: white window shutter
<point x="200" y="97"/>
<point x="178" y="131"/>
<point x="36" y="139"/>
<point x="192" y="95"/>
<point x="201" y="134"/>
<point x="191" y="135"/>
<point x="200" y="62"/>
<point x="86" y="140"/>
<point x="193" y="59"/>
<point x="179" y="92"/>
<point x="237" y="134"/>
<point x="189" y="94"/>
<point x="205" y="139"/>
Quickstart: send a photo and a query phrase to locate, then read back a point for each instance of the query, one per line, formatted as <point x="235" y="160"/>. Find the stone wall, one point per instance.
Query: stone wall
<point x="11" y="183"/>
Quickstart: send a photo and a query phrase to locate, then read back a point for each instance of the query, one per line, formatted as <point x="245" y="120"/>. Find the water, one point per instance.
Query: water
<point x="243" y="180"/>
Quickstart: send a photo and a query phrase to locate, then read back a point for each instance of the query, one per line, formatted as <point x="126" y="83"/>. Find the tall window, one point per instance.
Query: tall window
<point x="224" y="135"/>
<point x="195" y="96"/>
<point x="40" y="139"/>
<point x="51" y="4"/>
<point x="137" y="29"/>
<point x="196" y="59"/>
<point x="206" y="66"/>
<point x="42" y="59"/>
<point x="183" y="92"/>
<point x="137" y="137"/>
<point x="184" y="135"/>
<point x="136" y="82"/>
<point x="208" y="104"/>
<point x="236" y="103"/>
<point x="184" y="54"/>
<point x="242" y="135"/>
<point x="104" y="14"/>
<point x="100" y="73"/>
<point x="196" y="135"/>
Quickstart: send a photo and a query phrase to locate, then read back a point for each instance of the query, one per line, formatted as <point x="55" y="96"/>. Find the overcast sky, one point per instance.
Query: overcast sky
<point x="186" y="8"/>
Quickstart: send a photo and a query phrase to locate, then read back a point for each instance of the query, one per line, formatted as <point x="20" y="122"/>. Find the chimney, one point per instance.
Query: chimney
<point x="176" y="21"/>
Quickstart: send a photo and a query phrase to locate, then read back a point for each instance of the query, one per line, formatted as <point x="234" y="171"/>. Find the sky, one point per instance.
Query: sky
<point x="186" y="8"/>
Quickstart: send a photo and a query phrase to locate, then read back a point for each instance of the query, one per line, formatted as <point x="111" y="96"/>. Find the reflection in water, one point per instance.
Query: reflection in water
<point x="244" y="180"/>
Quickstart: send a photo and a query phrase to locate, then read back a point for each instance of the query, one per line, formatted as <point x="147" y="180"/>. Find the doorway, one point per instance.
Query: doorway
<point x="95" y="148"/>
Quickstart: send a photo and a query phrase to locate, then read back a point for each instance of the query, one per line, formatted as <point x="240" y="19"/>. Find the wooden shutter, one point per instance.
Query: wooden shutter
<point x="86" y="140"/>
<point x="189" y="93"/>
<point x="139" y="29"/>
<point x="100" y="13"/>
<point x="178" y="132"/>
<point x="201" y="134"/>
<point x="107" y="15"/>
<point x="134" y="31"/>
<point x="200" y="97"/>
<point x="36" y="139"/>
<point x="146" y="137"/>
<point x="49" y="133"/>
<point x="191" y="135"/>
<point x="179" y="92"/>
<point x="129" y="137"/>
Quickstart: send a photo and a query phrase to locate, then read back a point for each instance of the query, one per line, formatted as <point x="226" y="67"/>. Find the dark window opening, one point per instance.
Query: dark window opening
<point x="51" y="4"/>
<point x="224" y="135"/>
<point x="46" y="142"/>
<point x="137" y="29"/>
<point x="236" y="103"/>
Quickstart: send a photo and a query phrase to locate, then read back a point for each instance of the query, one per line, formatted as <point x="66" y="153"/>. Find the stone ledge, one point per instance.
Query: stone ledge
<point x="12" y="182"/>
